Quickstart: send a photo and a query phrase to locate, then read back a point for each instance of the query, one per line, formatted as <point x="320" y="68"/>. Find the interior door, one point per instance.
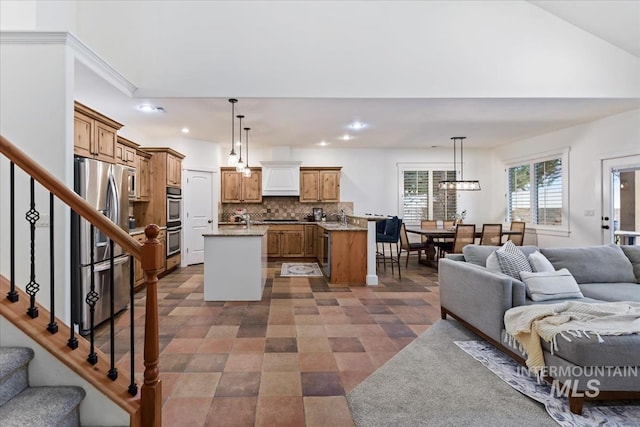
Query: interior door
<point x="201" y="213"/>
<point x="620" y="204"/>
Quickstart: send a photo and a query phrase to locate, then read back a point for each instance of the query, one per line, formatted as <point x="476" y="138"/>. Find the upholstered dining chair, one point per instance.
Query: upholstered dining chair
<point x="391" y="236"/>
<point x="491" y="234"/>
<point x="409" y="247"/>
<point x="518" y="226"/>
<point x="427" y="223"/>
<point x="465" y="235"/>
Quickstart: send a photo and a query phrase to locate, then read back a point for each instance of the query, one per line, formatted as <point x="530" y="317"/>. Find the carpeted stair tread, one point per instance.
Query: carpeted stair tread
<point x="14" y="371"/>
<point x="43" y="406"/>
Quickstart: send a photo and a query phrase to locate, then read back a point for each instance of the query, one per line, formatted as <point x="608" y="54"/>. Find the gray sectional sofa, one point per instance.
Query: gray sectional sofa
<point x="479" y="297"/>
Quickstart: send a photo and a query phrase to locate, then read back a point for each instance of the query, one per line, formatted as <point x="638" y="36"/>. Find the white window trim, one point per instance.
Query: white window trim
<point x="421" y="166"/>
<point x="563" y="230"/>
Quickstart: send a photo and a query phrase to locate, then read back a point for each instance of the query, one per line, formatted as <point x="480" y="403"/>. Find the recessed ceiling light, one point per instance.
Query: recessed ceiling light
<point x="346" y="137"/>
<point x="148" y="108"/>
<point x="357" y="125"/>
<point x="323" y="143"/>
<point x="185" y="130"/>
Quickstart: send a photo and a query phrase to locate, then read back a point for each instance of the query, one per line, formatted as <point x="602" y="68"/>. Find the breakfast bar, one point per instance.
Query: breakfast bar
<point x="235" y="263"/>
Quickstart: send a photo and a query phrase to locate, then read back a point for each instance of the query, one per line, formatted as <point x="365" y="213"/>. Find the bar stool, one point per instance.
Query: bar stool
<point x="391" y="236"/>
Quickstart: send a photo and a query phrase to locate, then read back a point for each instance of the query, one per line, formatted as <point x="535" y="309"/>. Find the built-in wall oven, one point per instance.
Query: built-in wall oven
<point x="174" y="206"/>
<point x="174" y="220"/>
<point x="174" y="236"/>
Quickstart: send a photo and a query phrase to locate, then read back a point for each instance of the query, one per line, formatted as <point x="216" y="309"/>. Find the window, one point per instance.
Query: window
<point x="420" y="196"/>
<point x="536" y="191"/>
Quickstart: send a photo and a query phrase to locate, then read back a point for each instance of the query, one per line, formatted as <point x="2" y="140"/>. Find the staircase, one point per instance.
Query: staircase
<point x="22" y="405"/>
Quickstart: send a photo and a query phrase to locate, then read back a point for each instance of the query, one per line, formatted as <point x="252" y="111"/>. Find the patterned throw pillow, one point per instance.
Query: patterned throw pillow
<point x="512" y="260"/>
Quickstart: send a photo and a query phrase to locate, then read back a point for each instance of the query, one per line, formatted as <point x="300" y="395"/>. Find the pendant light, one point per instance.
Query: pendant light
<point x="459" y="184"/>
<point x="247" y="169"/>
<point x="240" y="164"/>
<point x="233" y="159"/>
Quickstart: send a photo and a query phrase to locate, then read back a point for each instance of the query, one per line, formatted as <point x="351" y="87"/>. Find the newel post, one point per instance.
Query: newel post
<point x="151" y="391"/>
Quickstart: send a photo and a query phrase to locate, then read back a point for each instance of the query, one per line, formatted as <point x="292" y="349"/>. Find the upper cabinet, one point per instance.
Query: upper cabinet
<point x="94" y="134"/>
<point x="166" y="166"/>
<point x="236" y="188"/>
<point x="174" y="170"/>
<point x="126" y="152"/>
<point x="319" y="184"/>
<point x="143" y="173"/>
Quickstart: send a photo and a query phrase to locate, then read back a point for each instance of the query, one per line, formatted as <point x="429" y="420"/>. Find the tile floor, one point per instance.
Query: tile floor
<point x="287" y="360"/>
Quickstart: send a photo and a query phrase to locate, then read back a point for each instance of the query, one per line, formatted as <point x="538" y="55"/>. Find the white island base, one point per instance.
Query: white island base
<point x="235" y="264"/>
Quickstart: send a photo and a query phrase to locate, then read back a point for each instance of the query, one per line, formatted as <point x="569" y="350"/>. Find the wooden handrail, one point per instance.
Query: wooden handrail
<point x="77" y="203"/>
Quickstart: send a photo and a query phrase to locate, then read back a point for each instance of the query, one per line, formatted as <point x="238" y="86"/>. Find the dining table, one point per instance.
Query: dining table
<point x="431" y="234"/>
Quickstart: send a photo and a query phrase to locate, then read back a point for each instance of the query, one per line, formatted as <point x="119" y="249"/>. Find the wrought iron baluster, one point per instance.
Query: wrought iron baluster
<point x="53" y="326"/>
<point x="32" y="216"/>
<point x="91" y="299"/>
<point x="113" y="372"/>
<point x="133" y="388"/>
<point x="12" y="295"/>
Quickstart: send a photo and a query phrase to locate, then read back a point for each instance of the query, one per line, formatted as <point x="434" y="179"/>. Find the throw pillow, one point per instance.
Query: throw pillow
<point x="540" y="262"/>
<point x="492" y="262"/>
<point x="512" y="260"/>
<point x="550" y="285"/>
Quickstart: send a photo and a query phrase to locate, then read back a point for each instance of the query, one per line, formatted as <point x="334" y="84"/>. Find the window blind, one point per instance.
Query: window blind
<point x="519" y="193"/>
<point x="416" y="196"/>
<point x="548" y="192"/>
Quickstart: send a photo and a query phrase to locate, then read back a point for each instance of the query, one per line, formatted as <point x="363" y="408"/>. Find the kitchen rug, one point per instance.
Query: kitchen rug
<point x="300" y="269"/>
<point x="594" y="413"/>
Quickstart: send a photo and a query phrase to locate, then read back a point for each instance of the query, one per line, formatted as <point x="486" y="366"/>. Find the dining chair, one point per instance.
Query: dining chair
<point x="427" y="223"/>
<point x="408" y="246"/>
<point x="391" y="236"/>
<point x="491" y="234"/>
<point x="518" y="226"/>
<point x="465" y="235"/>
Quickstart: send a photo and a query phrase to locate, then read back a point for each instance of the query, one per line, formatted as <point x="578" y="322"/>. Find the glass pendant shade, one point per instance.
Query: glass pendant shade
<point x="247" y="172"/>
<point x="233" y="158"/>
<point x="459" y="184"/>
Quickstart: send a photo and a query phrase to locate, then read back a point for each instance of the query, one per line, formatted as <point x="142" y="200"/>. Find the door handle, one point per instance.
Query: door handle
<point x="209" y="221"/>
<point x="605" y="227"/>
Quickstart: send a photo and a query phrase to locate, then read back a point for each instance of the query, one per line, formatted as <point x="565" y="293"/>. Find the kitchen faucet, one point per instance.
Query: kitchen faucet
<point x="343" y="217"/>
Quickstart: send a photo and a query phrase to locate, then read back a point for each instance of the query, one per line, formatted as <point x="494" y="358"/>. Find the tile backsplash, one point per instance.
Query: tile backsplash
<point x="281" y="208"/>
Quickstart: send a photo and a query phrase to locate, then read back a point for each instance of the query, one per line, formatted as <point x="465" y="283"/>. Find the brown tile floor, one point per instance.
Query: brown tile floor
<point x="287" y="360"/>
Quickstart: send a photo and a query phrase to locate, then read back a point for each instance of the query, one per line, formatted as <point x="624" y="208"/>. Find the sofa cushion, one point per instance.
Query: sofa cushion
<point x="550" y="285"/>
<point x="540" y="263"/>
<point x="478" y="254"/>
<point x="592" y="264"/>
<point x="633" y="253"/>
<point x="616" y="350"/>
<point x="492" y="262"/>
<point x="512" y="260"/>
<point x="611" y="292"/>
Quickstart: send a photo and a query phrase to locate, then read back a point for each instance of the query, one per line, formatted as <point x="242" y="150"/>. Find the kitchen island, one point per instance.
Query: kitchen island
<point x="235" y="263"/>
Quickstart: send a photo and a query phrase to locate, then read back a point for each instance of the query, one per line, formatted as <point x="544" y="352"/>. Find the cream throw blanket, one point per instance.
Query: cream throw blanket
<point x="528" y="323"/>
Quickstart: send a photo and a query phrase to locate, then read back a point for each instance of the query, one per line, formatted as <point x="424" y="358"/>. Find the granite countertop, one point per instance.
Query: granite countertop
<point x="369" y="217"/>
<point x="336" y="226"/>
<point x="238" y="231"/>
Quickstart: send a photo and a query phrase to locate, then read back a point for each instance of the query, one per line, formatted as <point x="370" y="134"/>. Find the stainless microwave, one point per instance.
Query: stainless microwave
<point x="132" y="183"/>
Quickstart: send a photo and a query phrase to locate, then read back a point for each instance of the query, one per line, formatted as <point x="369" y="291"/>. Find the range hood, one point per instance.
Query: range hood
<point x="280" y="178"/>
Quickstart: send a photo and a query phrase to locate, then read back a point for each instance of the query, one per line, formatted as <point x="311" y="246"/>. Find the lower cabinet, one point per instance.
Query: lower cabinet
<point x="286" y="241"/>
<point x="310" y="240"/>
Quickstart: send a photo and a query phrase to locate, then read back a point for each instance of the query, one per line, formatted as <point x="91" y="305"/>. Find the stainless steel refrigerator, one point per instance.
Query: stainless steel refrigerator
<point x="104" y="186"/>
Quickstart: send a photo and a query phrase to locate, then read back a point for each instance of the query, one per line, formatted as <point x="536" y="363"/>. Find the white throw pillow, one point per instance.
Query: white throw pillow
<point x="550" y="285"/>
<point x="492" y="262"/>
<point x="540" y="263"/>
<point x="512" y="260"/>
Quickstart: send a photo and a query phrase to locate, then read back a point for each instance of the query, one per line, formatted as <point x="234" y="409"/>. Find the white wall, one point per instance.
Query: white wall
<point x="589" y="143"/>
<point x="36" y="114"/>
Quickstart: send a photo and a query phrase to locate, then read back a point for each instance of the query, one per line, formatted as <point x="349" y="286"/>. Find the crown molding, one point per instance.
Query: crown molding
<point x="81" y="52"/>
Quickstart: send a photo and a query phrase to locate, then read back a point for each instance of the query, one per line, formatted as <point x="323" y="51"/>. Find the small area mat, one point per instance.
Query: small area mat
<point x="594" y="413"/>
<point x="300" y="269"/>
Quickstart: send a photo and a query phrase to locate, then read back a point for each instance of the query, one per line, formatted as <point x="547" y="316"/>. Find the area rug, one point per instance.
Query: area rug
<point x="611" y="414"/>
<point x="300" y="269"/>
<point x="431" y="382"/>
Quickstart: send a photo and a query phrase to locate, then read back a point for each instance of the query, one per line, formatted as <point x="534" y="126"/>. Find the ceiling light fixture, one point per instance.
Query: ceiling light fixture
<point x="357" y="125"/>
<point x="323" y="143"/>
<point x="459" y="184"/>
<point x="185" y="130"/>
<point x="240" y="164"/>
<point x="233" y="159"/>
<point x="148" y="108"/>
<point x="247" y="169"/>
<point x="346" y="137"/>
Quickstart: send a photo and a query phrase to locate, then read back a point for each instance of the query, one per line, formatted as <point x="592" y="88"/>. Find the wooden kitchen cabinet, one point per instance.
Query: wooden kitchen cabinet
<point x="236" y="188"/>
<point x="174" y="171"/>
<point x="126" y="152"/>
<point x="143" y="169"/>
<point x="310" y="240"/>
<point x="286" y="241"/>
<point x="94" y="135"/>
<point x="319" y="184"/>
